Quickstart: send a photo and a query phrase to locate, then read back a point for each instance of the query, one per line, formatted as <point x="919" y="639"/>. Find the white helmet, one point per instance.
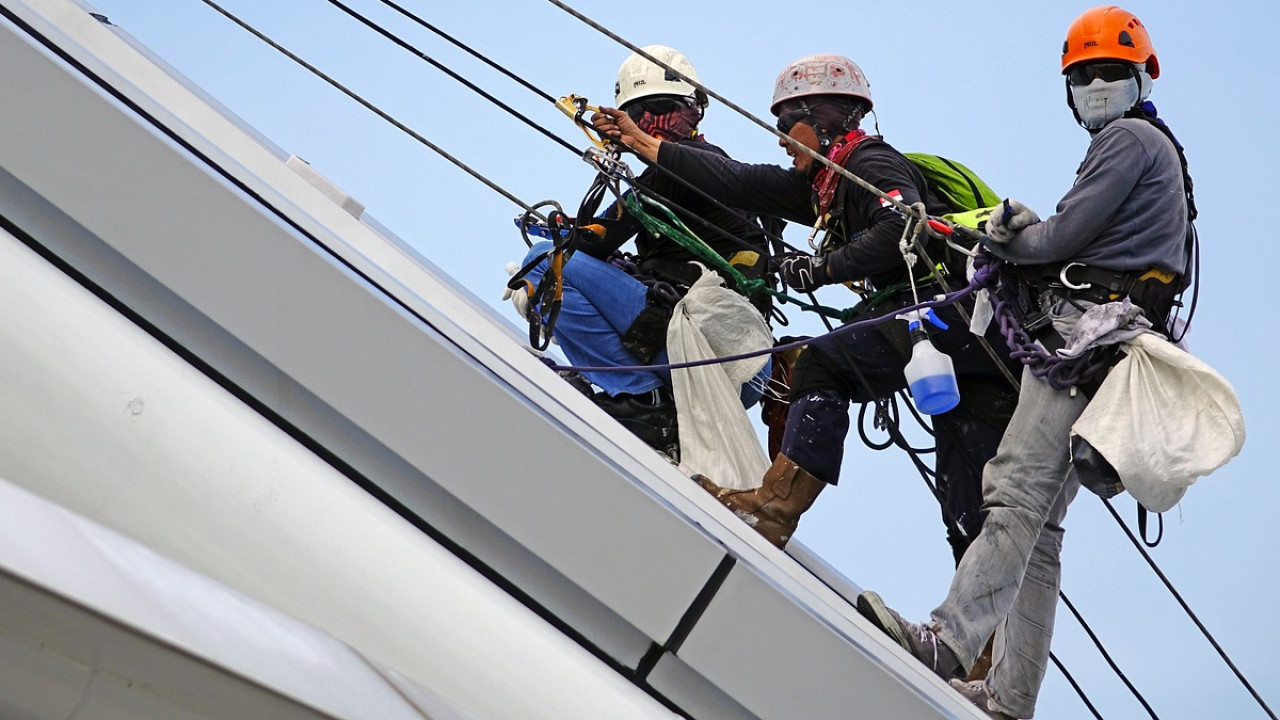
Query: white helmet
<point x="820" y="75"/>
<point x="640" y="78"/>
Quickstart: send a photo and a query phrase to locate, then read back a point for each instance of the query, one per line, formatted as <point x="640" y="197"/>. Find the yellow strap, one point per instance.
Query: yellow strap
<point x="970" y="218"/>
<point x="1164" y="276"/>
<point x="745" y="258"/>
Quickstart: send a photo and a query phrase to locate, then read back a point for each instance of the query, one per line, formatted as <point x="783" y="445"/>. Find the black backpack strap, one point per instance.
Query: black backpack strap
<point x="1147" y="111"/>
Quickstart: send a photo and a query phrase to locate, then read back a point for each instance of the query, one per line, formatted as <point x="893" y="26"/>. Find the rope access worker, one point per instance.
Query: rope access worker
<point x="615" y="309"/>
<point x="820" y="101"/>
<point x="1124" y="229"/>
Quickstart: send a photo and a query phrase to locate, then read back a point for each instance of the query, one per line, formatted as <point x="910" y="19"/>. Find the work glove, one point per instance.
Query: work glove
<point x="804" y="273"/>
<point x="1010" y="218"/>
<point x="519" y="298"/>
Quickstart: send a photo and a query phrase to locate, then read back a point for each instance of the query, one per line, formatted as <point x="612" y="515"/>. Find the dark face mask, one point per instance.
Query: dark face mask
<point x="666" y="117"/>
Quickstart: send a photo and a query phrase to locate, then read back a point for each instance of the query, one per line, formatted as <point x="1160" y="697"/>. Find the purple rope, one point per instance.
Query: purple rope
<point x="1061" y="373"/>
<point x="842" y="330"/>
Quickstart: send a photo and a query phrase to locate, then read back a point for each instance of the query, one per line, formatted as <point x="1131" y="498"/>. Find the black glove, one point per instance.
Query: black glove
<point x="804" y="273"/>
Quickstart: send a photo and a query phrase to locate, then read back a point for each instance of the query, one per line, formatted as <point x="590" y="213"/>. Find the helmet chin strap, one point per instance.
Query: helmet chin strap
<point x="851" y="122"/>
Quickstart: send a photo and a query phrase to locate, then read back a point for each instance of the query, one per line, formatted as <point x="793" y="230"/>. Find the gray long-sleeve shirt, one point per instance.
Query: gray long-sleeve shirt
<point x="1126" y="211"/>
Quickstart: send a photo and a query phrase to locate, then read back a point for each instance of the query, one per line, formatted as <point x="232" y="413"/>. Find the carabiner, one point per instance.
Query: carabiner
<point x="1062" y="276"/>
<point x="818" y="226"/>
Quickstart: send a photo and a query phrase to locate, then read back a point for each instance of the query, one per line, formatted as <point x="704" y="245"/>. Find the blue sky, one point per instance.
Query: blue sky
<point x="977" y="81"/>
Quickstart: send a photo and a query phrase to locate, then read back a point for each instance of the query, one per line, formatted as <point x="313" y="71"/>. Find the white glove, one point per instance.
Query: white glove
<point x="519" y="300"/>
<point x="1010" y="217"/>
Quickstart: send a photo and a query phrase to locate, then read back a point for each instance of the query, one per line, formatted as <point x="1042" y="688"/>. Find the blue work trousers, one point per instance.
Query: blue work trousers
<point x="600" y="302"/>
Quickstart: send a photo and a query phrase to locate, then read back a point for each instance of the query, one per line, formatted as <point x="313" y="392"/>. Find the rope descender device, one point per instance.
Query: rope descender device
<point x="608" y="162"/>
<point x="575" y="106"/>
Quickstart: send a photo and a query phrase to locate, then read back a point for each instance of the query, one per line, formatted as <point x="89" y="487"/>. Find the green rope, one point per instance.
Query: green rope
<point x="674" y="229"/>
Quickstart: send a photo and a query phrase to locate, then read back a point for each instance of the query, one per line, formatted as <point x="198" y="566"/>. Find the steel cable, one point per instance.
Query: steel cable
<point x="371" y="107"/>
<point x="495" y="187"/>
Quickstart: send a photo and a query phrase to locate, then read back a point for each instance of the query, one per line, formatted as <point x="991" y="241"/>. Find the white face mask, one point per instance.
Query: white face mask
<point x="1100" y="102"/>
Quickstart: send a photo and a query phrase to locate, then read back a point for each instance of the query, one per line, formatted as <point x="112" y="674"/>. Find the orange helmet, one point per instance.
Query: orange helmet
<point x="1109" y="33"/>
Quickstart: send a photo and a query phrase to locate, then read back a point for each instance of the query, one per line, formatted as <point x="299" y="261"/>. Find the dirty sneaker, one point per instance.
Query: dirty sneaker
<point x="975" y="691"/>
<point x="917" y="639"/>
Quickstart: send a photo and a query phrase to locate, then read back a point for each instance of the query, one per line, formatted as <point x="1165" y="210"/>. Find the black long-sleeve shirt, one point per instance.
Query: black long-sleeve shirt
<point x="867" y="230"/>
<point x="724" y="230"/>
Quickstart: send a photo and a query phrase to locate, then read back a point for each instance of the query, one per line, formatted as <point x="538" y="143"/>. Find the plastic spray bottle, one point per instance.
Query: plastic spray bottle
<point x="930" y="373"/>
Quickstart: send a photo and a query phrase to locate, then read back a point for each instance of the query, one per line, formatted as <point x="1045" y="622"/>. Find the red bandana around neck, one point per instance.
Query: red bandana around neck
<point x="825" y="183"/>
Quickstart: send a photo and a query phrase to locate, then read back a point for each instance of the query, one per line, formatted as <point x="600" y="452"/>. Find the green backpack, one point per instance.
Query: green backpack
<point x="969" y="198"/>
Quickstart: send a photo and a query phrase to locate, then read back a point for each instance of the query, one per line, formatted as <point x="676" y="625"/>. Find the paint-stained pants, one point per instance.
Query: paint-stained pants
<point x="869" y="363"/>
<point x="1008" y="580"/>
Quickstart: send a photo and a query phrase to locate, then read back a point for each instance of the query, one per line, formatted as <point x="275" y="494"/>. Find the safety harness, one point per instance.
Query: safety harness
<point x="1025" y="293"/>
<point x="566" y="234"/>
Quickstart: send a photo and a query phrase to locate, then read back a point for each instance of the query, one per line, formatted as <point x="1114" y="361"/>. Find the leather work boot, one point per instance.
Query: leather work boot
<point x="774" y="508"/>
<point x="982" y="665"/>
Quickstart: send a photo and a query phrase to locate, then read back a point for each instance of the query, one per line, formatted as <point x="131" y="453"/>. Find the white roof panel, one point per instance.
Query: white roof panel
<point x="413" y="395"/>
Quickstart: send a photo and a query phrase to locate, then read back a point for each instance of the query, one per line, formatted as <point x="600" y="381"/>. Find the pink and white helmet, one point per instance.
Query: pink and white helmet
<point x="820" y="75"/>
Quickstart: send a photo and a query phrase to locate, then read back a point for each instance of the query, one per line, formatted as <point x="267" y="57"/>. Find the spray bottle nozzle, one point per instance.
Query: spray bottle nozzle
<point x="915" y="318"/>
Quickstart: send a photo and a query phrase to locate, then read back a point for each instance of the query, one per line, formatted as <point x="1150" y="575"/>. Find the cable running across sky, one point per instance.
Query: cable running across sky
<point x="446" y="155"/>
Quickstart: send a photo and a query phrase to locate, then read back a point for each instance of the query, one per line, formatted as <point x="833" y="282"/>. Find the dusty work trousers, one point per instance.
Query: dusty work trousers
<point x="1008" y="581"/>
